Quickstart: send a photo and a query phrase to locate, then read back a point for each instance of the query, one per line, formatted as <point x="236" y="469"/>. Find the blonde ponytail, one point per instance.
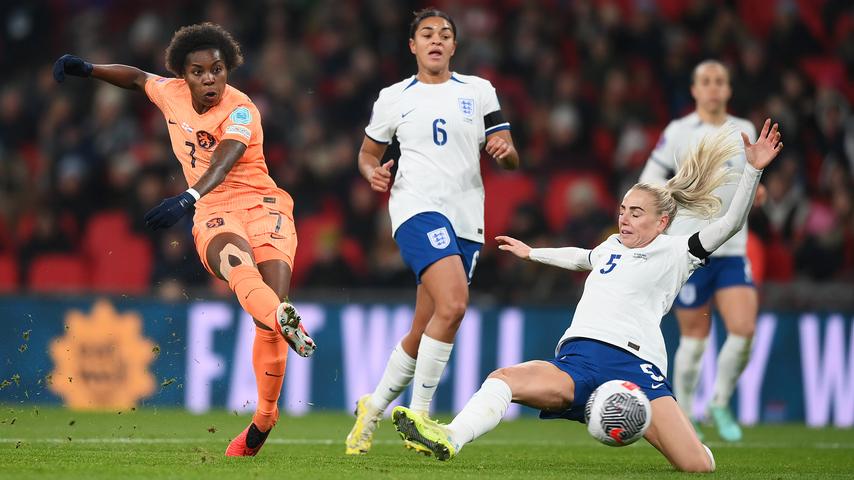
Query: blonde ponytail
<point x="700" y="173"/>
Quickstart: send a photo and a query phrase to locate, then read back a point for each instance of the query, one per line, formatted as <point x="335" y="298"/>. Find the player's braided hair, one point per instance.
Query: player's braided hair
<point x="701" y="172"/>
<point x="201" y="36"/>
<point x="427" y="13"/>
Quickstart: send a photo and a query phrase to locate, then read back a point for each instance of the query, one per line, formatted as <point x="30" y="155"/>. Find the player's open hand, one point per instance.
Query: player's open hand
<point x="381" y="177"/>
<point x="767" y="146"/>
<point x="510" y="244"/>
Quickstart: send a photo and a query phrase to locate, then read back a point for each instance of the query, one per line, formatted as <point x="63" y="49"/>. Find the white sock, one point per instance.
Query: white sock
<point x="396" y="377"/>
<point x="481" y="414"/>
<point x="731" y="362"/>
<point x="433" y="355"/>
<point x="686" y="370"/>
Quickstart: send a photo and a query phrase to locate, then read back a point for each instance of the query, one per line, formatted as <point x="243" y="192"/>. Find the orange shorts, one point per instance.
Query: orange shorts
<point x="270" y="232"/>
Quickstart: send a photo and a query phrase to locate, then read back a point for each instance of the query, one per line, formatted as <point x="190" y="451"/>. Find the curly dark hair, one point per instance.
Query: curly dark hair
<point x="201" y="36"/>
<point x="427" y="13"/>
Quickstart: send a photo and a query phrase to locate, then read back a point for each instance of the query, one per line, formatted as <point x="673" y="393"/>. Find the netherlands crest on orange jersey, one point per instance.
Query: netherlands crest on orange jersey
<point x="215" y="222"/>
<point x="205" y="139"/>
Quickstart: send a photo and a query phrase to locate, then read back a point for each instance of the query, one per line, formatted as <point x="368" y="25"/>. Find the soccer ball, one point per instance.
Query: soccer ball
<point x="617" y="413"/>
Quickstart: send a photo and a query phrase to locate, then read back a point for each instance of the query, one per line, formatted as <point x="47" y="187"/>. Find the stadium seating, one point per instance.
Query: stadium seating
<point x="104" y="231"/>
<point x="505" y="193"/>
<point x="121" y="260"/>
<point x="309" y="230"/>
<point x="125" y="268"/>
<point x="8" y="274"/>
<point x="59" y="273"/>
<point x="557" y="191"/>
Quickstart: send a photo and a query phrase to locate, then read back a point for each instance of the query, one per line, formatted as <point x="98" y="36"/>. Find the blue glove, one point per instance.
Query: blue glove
<point x="72" y="65"/>
<point x="169" y="211"/>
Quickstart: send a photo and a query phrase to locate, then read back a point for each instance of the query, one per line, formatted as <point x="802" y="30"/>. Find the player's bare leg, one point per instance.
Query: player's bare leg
<point x="424" y="309"/>
<point x="738" y="306"/>
<point x="446" y="284"/>
<point x="694" y="326"/>
<point x="536" y="384"/>
<point x="673" y="435"/>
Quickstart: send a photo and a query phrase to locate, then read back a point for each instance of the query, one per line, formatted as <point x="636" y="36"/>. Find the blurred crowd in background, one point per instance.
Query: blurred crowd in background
<point x="588" y="86"/>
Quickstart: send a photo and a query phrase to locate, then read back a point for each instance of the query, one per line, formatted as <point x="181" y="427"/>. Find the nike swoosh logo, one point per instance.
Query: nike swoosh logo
<point x="407" y="113"/>
<point x="656" y="385"/>
<point x="271" y="375"/>
<point x="171" y="122"/>
<point x="424" y="385"/>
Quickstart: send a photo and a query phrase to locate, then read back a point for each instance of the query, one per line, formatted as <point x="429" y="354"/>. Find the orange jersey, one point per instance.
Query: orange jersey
<point x="195" y="137"/>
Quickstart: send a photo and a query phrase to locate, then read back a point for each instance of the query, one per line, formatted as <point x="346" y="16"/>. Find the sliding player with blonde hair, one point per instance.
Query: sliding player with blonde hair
<point x="615" y="332"/>
<point x="727" y="282"/>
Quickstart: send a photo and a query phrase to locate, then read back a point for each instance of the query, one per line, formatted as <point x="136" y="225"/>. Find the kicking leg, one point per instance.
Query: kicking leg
<point x="269" y="351"/>
<point x="672" y="434"/>
<point x="738" y="307"/>
<point x="230" y="257"/>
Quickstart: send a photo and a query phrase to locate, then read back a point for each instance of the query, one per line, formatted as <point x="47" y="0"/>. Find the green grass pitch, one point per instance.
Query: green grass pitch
<point x="37" y="442"/>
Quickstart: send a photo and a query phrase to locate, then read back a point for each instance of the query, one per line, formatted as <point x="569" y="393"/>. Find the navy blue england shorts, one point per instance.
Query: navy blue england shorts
<point x="720" y="273"/>
<point x="429" y="236"/>
<point x="591" y="363"/>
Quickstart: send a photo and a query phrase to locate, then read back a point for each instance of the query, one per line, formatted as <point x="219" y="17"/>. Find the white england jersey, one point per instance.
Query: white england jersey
<point x="627" y="293"/>
<point x="441" y="131"/>
<point x="678" y="138"/>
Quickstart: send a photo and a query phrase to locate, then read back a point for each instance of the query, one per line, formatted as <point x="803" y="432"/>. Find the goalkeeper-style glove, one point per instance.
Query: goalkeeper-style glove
<point x="170" y="210"/>
<point x="71" y="65"/>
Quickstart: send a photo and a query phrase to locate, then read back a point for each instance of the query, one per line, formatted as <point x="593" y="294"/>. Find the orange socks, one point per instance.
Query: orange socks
<point x="269" y="357"/>
<point x="269" y="350"/>
<point x="255" y="296"/>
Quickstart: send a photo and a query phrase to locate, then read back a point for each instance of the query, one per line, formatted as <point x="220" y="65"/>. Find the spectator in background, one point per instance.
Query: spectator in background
<point x="587" y="221"/>
<point x="827" y="250"/>
<point x="549" y="61"/>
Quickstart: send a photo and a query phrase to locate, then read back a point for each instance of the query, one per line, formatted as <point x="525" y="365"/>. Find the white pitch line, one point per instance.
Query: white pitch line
<point x="328" y="441"/>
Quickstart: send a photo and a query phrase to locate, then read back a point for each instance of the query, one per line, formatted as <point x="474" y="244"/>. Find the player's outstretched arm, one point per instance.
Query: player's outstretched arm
<point x="172" y="209"/>
<point x="759" y="155"/>
<point x="570" y="258"/>
<point x="122" y="76"/>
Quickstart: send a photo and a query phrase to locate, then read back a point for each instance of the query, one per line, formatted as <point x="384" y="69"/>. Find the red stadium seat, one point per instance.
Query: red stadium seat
<point x="8" y="274"/>
<point x="779" y="262"/>
<point x="308" y="229"/>
<point x="556" y="200"/>
<point x="125" y="267"/>
<point x="756" y="255"/>
<point x="504" y="194"/>
<point x="104" y="231"/>
<point x="58" y="273"/>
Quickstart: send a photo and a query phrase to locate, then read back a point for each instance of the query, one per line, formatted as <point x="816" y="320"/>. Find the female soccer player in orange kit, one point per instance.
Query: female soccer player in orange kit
<point x="243" y="226"/>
